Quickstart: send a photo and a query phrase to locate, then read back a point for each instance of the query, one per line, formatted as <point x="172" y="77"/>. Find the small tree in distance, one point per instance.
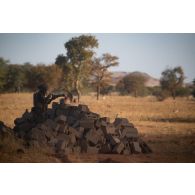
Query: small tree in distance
<point x="100" y="74"/>
<point x="132" y="84"/>
<point x="171" y="80"/>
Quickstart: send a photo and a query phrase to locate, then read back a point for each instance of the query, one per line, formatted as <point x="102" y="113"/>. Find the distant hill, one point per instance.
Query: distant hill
<point x="150" y="81"/>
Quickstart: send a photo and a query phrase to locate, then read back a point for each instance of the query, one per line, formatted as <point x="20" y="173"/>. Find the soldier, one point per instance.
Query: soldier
<point x="41" y="101"/>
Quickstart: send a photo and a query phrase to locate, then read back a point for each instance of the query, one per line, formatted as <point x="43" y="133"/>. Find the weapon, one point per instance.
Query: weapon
<point x="52" y="97"/>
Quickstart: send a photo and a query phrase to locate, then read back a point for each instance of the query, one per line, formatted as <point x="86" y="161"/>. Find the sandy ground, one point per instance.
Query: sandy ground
<point x="168" y="127"/>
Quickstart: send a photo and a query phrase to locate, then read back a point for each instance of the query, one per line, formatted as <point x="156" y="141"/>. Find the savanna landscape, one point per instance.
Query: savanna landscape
<point x="105" y="80"/>
<point x="168" y="127"/>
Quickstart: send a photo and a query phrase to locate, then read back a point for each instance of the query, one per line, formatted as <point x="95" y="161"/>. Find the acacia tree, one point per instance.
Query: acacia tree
<point x="3" y="69"/>
<point x="133" y="84"/>
<point x="100" y="73"/>
<point x="78" y="59"/>
<point x="172" y="79"/>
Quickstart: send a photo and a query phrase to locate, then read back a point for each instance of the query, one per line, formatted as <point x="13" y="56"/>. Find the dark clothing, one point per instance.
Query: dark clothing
<point x="40" y="101"/>
<point x="40" y="104"/>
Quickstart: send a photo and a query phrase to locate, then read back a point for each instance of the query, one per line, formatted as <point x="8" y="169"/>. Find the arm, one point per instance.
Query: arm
<point x="52" y="97"/>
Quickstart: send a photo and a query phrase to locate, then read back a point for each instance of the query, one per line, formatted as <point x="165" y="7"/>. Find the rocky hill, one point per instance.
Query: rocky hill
<point x="150" y="81"/>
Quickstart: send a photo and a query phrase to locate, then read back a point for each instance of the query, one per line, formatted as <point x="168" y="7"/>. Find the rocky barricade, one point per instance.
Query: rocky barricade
<point x="75" y="129"/>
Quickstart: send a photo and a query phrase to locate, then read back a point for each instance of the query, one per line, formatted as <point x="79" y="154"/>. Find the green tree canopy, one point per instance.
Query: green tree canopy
<point x="3" y="69"/>
<point x="172" y="79"/>
<point x="132" y="84"/>
<point x="78" y="60"/>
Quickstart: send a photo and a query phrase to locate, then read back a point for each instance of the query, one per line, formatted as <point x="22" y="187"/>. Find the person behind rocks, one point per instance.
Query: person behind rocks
<point x="41" y="101"/>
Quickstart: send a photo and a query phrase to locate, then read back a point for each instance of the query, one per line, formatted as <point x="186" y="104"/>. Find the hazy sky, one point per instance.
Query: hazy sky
<point x="150" y="53"/>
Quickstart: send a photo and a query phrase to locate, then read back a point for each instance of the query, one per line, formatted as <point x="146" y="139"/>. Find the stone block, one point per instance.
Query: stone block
<point x="34" y="144"/>
<point x="76" y="124"/>
<point x="92" y="150"/>
<point x="87" y="123"/>
<point x="77" y="149"/>
<point x="50" y="113"/>
<point x="27" y="115"/>
<point x="61" y="119"/>
<point x="63" y="136"/>
<point x="25" y="126"/>
<point x="93" y="136"/>
<point x="19" y="121"/>
<point x="49" y="133"/>
<point x="97" y="123"/>
<point x="91" y="115"/>
<point x="62" y="144"/>
<point x="67" y="150"/>
<point x="72" y="139"/>
<point x="116" y="139"/>
<point x="119" y="148"/>
<point x="58" y="127"/>
<point x="104" y="130"/>
<point x="129" y="132"/>
<point x="37" y="134"/>
<point x="71" y="120"/>
<point x="103" y="124"/>
<point x="126" y="152"/>
<point x="136" y="147"/>
<point x="121" y="122"/>
<point x="112" y="140"/>
<point x="50" y="123"/>
<point x="42" y="126"/>
<point x="63" y="128"/>
<point x="83" y="145"/>
<point x="111" y="129"/>
<point x="74" y="131"/>
<point x="106" y="148"/>
<point x="83" y="108"/>
<point x="53" y="142"/>
<point x="106" y="119"/>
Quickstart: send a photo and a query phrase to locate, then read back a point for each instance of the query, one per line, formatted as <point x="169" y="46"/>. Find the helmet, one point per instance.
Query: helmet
<point x="43" y="87"/>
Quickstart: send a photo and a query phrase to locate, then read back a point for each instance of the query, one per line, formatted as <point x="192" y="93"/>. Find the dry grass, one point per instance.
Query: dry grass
<point x="168" y="127"/>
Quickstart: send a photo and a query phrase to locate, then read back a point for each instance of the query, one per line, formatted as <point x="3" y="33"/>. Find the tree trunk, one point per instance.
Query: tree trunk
<point x="173" y="94"/>
<point x="76" y="86"/>
<point x="135" y="93"/>
<point x="98" y="91"/>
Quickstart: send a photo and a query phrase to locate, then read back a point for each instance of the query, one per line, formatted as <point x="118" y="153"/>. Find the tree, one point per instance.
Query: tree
<point x="15" y="78"/>
<point x="68" y="76"/>
<point x="50" y="75"/>
<point x="100" y="73"/>
<point x="78" y="59"/>
<point x="183" y="91"/>
<point x="132" y="84"/>
<point x="172" y="79"/>
<point x="61" y="61"/>
<point x="3" y="69"/>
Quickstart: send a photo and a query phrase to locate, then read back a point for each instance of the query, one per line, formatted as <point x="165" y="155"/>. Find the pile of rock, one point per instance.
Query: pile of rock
<point x="5" y="131"/>
<point x="75" y="129"/>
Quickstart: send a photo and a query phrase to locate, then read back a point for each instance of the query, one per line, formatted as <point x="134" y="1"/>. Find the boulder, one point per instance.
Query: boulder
<point x="136" y="147"/>
<point x="87" y="123"/>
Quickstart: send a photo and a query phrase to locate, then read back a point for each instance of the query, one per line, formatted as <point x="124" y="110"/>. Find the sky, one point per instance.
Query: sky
<point x="150" y="53"/>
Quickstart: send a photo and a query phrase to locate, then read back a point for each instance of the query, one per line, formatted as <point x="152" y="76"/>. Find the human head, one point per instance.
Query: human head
<point x="43" y="88"/>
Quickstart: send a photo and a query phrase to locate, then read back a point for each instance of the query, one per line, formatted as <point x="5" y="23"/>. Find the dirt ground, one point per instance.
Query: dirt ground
<point x="168" y="127"/>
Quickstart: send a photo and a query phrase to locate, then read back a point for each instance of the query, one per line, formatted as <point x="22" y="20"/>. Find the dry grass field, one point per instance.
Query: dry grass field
<point x="168" y="127"/>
